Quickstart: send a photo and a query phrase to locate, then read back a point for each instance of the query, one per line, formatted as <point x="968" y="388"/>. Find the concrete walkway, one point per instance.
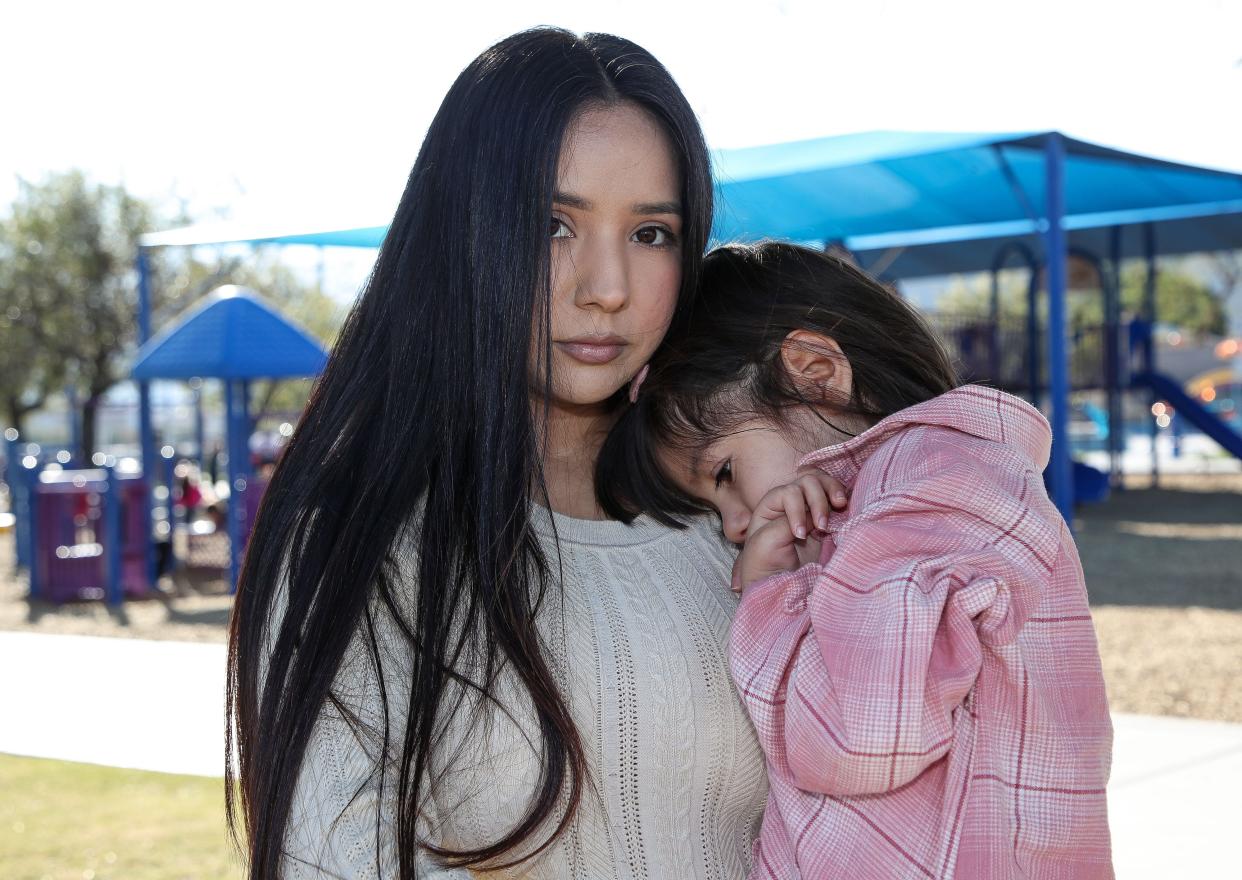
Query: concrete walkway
<point x="122" y="702"/>
<point x="1174" y="801"/>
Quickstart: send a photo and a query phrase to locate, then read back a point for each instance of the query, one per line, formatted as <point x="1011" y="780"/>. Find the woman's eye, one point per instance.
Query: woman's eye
<point x="558" y="229"/>
<point x="725" y="474"/>
<point x="655" y="236"/>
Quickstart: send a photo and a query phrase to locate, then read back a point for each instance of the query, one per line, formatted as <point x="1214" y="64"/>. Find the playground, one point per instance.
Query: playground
<point x="1051" y="216"/>
<point x="1164" y="570"/>
<point x="145" y="543"/>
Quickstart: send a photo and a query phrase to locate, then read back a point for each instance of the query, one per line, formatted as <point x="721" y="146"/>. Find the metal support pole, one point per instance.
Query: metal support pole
<point x="113" y="594"/>
<point x="1058" y="354"/>
<point x="146" y="430"/>
<point x="1117" y="374"/>
<point x="200" y="431"/>
<point x="168" y="457"/>
<point x="1149" y="341"/>
<point x="1034" y="365"/>
<point x="19" y="499"/>
<point x="236" y="401"/>
<point x="30" y="476"/>
<point x="79" y="455"/>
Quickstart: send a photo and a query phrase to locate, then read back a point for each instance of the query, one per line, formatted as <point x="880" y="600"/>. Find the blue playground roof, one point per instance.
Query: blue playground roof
<point x="923" y="203"/>
<point x="934" y="203"/>
<point x="230" y="334"/>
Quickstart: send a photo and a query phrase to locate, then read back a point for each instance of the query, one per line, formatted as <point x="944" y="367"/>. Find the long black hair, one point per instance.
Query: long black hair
<point x="722" y="368"/>
<point x="422" y="426"/>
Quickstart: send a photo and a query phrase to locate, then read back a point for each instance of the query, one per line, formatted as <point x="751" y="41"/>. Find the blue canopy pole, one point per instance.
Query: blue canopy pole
<point x="114" y="593"/>
<point x="200" y="432"/>
<point x="20" y="501"/>
<point x="146" y="431"/>
<point x="1149" y="342"/>
<point x="75" y="429"/>
<point x="34" y="571"/>
<point x="1058" y="352"/>
<point x="237" y="405"/>
<point x="1117" y="374"/>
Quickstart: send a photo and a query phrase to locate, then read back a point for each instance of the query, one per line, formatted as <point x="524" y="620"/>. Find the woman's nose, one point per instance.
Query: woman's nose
<point x="603" y="282"/>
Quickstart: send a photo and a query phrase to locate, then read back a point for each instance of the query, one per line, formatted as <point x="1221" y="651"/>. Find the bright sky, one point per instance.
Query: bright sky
<point x="255" y="108"/>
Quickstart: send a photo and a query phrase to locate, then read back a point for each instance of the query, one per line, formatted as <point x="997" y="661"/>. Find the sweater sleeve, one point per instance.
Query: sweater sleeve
<point x="853" y="670"/>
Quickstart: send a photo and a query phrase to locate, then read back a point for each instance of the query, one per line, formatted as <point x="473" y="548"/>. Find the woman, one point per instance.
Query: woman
<point x="441" y="654"/>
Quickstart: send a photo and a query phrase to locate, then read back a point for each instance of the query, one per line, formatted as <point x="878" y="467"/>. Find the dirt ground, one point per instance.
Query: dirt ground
<point x="188" y="609"/>
<point x="1164" y="573"/>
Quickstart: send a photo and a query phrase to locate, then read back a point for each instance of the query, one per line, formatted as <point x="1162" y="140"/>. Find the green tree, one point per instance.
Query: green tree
<point x="1182" y="299"/>
<point x="69" y="295"/>
<point x="30" y="371"/>
<point x="70" y="274"/>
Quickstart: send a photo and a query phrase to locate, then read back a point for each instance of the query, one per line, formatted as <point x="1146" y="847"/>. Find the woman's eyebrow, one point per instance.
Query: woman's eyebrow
<point x="658" y="208"/>
<point x="570" y="200"/>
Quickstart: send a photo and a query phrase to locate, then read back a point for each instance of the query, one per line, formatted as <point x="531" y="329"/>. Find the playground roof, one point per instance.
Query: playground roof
<point x="359" y="233"/>
<point x="923" y="203"/>
<point x="1181" y="229"/>
<point x="230" y="334"/>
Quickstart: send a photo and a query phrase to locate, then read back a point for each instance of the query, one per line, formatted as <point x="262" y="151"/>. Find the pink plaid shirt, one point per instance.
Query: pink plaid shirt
<point x="929" y="695"/>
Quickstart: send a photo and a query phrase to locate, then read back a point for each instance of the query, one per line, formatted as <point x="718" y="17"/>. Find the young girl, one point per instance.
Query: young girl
<point x="920" y="665"/>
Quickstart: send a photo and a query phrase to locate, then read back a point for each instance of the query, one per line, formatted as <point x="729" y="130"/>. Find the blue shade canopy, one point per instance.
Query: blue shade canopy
<point x="368" y="233"/>
<point x="911" y="204"/>
<point x="1216" y="226"/>
<point x="908" y="203"/>
<point x="230" y="334"/>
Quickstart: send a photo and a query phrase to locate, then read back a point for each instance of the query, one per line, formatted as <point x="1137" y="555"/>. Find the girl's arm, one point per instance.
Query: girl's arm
<point x="853" y="671"/>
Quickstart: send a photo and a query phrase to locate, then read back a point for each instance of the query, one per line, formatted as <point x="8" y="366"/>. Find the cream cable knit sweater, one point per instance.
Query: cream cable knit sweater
<point x="677" y="780"/>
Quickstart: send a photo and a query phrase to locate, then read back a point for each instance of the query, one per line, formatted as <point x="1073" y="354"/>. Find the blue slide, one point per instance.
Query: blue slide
<point x="1193" y="411"/>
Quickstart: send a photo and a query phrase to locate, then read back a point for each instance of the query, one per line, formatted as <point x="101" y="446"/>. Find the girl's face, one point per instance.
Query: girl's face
<point x="616" y="253"/>
<point x="733" y="473"/>
<point x="736" y="471"/>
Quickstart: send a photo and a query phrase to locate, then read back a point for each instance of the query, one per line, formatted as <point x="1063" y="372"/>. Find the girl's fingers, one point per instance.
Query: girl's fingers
<point x="813" y="492"/>
<point x="833" y="488"/>
<point x="836" y="491"/>
<point x="768" y="551"/>
<point x="816" y="500"/>
<point x="794" y="504"/>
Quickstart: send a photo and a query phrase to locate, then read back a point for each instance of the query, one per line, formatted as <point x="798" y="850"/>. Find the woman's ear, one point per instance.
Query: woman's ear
<point x="815" y="360"/>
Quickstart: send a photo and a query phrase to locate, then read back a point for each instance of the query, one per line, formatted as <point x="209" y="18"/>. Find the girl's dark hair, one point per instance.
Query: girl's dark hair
<point x="721" y="367"/>
<point x="422" y="426"/>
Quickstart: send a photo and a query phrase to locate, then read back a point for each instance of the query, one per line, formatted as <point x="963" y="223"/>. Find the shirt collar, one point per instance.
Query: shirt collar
<point x="976" y="410"/>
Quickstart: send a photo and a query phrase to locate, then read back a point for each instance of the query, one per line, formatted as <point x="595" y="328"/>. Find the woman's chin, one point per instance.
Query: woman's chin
<point x="583" y="396"/>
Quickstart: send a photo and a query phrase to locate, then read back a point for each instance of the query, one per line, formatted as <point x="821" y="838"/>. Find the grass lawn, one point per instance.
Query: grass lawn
<point x="63" y="821"/>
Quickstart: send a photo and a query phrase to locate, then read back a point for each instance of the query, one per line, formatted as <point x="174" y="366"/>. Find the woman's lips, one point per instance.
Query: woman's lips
<point x="593" y="351"/>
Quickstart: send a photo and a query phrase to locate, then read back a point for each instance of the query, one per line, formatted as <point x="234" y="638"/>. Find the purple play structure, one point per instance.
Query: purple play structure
<point x="88" y="540"/>
<point x="92" y="534"/>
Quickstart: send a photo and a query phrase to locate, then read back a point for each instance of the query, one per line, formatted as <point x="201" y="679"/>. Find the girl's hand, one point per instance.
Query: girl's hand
<point x="786" y="526"/>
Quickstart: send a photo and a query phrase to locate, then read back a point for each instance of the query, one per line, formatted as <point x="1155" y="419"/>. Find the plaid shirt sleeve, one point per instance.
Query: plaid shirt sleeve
<point x="852" y="670"/>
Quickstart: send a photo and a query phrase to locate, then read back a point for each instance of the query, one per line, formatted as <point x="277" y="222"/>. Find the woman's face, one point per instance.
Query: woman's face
<point x="616" y="252"/>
